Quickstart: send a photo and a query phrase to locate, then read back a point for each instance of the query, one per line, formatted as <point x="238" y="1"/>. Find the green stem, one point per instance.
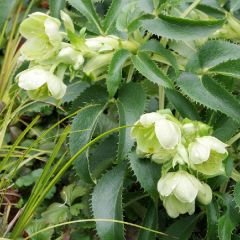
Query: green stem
<point x="161" y="97"/>
<point x="233" y="139"/>
<point x="190" y="8"/>
<point x="235" y="175"/>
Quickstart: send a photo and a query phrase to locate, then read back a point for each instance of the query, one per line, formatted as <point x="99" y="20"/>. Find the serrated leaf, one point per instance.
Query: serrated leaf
<point x="226" y="128"/>
<point x="212" y="220"/>
<point x="150" y="221"/>
<point x="115" y="70"/>
<point x="155" y="47"/>
<point x="73" y="91"/>
<point x="95" y="94"/>
<point x="148" y="68"/>
<point x="236" y="194"/>
<point x="213" y="53"/>
<point x="225" y="227"/>
<point x="147" y="172"/>
<point x="72" y="192"/>
<point x="55" y="7"/>
<point x="83" y="127"/>
<point x="181" y="28"/>
<point x="112" y="14"/>
<point x="29" y="179"/>
<point x="102" y="155"/>
<point x="182" y="228"/>
<point x="56" y="213"/>
<point x="37" y="225"/>
<point x="182" y="104"/>
<point x="107" y="203"/>
<point x="208" y="92"/>
<point x="86" y="8"/>
<point x="131" y="104"/>
<point x="229" y="68"/>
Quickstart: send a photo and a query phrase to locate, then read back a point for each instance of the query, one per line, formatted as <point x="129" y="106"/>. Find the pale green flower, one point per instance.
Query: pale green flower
<point x="102" y="44"/>
<point x="156" y="136"/>
<point x="38" y="79"/>
<point x="70" y="56"/>
<point x="206" y="155"/>
<point x="179" y="190"/>
<point x="43" y="36"/>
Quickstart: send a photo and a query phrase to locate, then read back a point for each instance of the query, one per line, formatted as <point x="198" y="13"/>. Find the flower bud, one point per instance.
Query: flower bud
<point x="179" y="190"/>
<point x="36" y="78"/>
<point x="69" y="56"/>
<point x="206" y="155"/>
<point x="102" y="44"/>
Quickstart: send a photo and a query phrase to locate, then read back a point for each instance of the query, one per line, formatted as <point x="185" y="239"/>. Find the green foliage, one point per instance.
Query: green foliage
<point x="107" y="203"/>
<point x="78" y="159"/>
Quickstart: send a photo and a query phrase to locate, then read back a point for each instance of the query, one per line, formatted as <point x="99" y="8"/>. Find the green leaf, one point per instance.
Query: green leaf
<point x="37" y="225"/>
<point x="76" y="208"/>
<point x="236" y="194"/>
<point x="226" y="128"/>
<point x="56" y="213"/>
<point x="115" y="70"/>
<point x="225" y="227"/>
<point x="155" y="47"/>
<point x="7" y="7"/>
<point x="181" y="28"/>
<point x="86" y="8"/>
<point x="209" y="93"/>
<point x="212" y="220"/>
<point x="234" y="5"/>
<point x="107" y="203"/>
<point x="29" y="179"/>
<point x="72" y="192"/>
<point x="149" y="69"/>
<point x="83" y="127"/>
<point x="147" y="172"/>
<point x="107" y="149"/>
<point x="182" y="228"/>
<point x="229" y="68"/>
<point x="112" y="14"/>
<point x="211" y="11"/>
<point x="55" y="7"/>
<point x="131" y="105"/>
<point x="73" y="91"/>
<point x="182" y="104"/>
<point x="213" y="53"/>
<point x="150" y="221"/>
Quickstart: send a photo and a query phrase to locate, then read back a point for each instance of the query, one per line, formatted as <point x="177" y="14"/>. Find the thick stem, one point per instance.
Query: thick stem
<point x="190" y="8"/>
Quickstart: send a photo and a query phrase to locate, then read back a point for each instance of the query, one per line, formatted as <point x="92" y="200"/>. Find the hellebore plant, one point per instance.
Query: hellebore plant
<point x="161" y="75"/>
<point x="186" y="145"/>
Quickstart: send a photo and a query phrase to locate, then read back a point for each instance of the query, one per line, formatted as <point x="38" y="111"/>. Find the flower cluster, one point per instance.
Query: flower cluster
<point x="184" y="145"/>
<point x="51" y="52"/>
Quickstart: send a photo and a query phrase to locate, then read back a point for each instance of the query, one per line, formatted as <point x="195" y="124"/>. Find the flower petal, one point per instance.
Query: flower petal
<point x="148" y="119"/>
<point x="205" y="194"/>
<point x="168" y="133"/>
<point x="213" y="143"/>
<point x="167" y="184"/>
<point x="198" y="153"/>
<point x="32" y="79"/>
<point x="187" y="187"/>
<point x="56" y="86"/>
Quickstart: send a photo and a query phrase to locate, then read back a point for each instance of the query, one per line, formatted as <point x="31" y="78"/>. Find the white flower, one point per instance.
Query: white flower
<point x="156" y="136"/>
<point x="168" y="133"/>
<point x="102" y="44"/>
<point x="179" y="190"/>
<point x="206" y="155"/>
<point x="35" y="78"/>
<point x="68" y="55"/>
